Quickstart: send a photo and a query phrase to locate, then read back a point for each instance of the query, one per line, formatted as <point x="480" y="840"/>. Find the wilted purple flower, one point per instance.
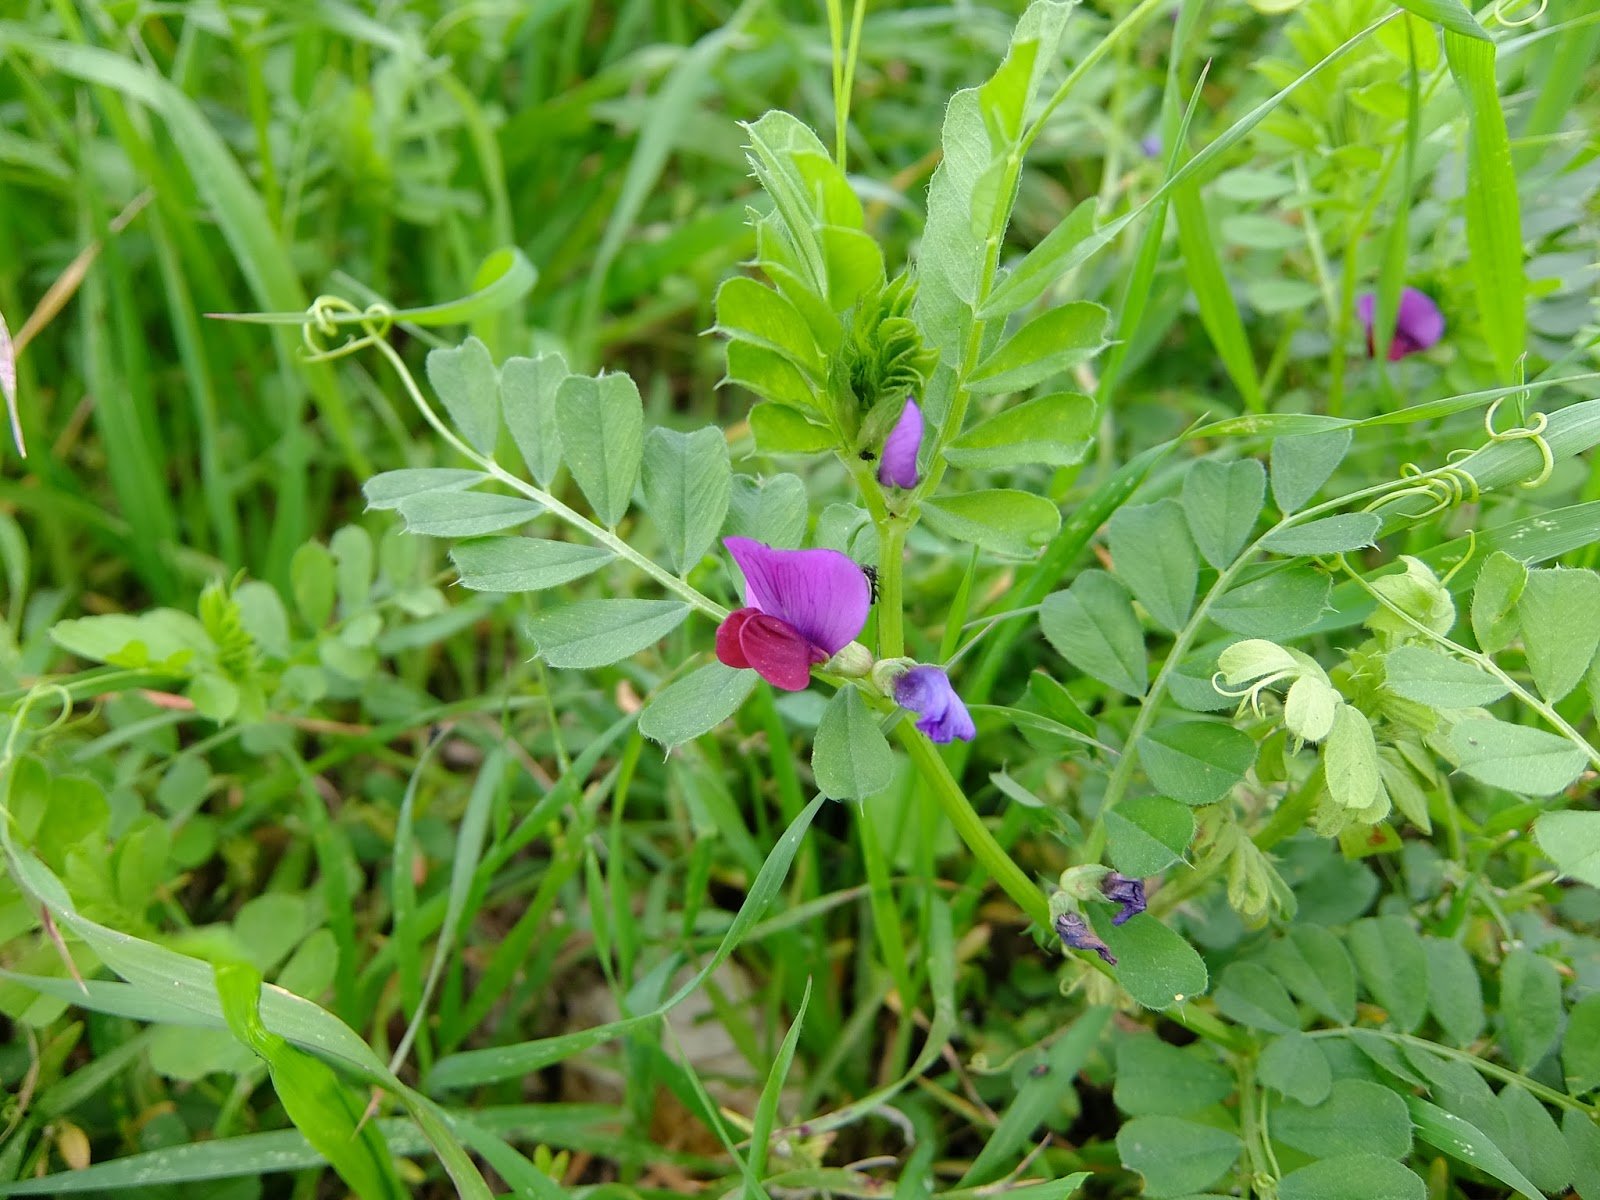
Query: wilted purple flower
<point x="1418" y="323"/>
<point x="1075" y="933"/>
<point x="898" y="467"/>
<point x="941" y="714"/>
<point x="1124" y="891"/>
<point x="801" y="607"/>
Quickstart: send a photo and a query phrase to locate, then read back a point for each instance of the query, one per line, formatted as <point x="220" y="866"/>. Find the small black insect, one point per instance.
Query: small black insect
<point x="868" y="456"/>
<point x="872" y="581"/>
<point x="1039" y="1070"/>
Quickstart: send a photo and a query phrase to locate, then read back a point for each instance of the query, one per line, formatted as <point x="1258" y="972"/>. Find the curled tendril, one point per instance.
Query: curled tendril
<point x="1250" y="694"/>
<point x="327" y="313"/>
<point x="1447" y="487"/>
<point x="1472" y="548"/>
<point x="1501" y="8"/>
<point x="1533" y="432"/>
<point x="35" y="694"/>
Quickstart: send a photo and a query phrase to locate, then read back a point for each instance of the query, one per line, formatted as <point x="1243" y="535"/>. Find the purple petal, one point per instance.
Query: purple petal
<point x="1075" y="933"/>
<point x="1419" y="319"/>
<point x="1127" y="892"/>
<point x="1151" y="146"/>
<point x="899" y="465"/>
<point x="821" y="593"/>
<point x="1367" y="310"/>
<point x="942" y="717"/>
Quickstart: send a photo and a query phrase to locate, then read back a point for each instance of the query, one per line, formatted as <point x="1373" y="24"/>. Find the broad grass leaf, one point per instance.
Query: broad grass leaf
<point x="1197" y="762"/>
<point x="1330" y="535"/>
<point x="1455" y="993"/>
<point x="766" y="1112"/>
<point x="1393" y="966"/>
<point x="1353" y="1177"/>
<point x="1527" y="761"/>
<point x="524" y="564"/>
<point x="850" y="757"/>
<point x="1494" y="601"/>
<point x="389" y="489"/>
<point x="1174" y="1155"/>
<point x="602" y="439"/>
<point x="1450" y="15"/>
<point x="1152" y="554"/>
<point x="1219" y="312"/>
<point x="1154" y="964"/>
<point x="1466" y="1143"/>
<point x="1558" y="614"/>
<point x="687" y="482"/>
<point x="1156" y="1078"/>
<point x="1571" y="840"/>
<point x="1221" y="502"/>
<point x="1056" y="430"/>
<point x="1437" y="680"/>
<point x="1147" y="834"/>
<point x="1092" y="625"/>
<point x="1302" y="463"/>
<point x="1049" y="344"/>
<point x="528" y="388"/>
<point x="597" y="633"/>
<point x="1276" y="607"/>
<point x="1357" y="1117"/>
<point x="1530" y="1007"/>
<point x="465" y="514"/>
<point x="1248" y="993"/>
<point x="1314" y="964"/>
<point x="468" y="384"/>
<point x="695" y="704"/>
<point x="1295" y="1066"/>
<point x="1002" y="520"/>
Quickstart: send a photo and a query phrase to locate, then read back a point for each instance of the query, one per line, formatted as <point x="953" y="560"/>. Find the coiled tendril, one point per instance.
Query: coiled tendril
<point x="1502" y="7"/>
<point x="1533" y="432"/>
<point x="327" y="313"/>
<point x="1448" y="487"/>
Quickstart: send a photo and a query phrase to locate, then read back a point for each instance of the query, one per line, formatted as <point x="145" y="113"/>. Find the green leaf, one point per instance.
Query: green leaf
<point x="390" y="488"/>
<point x="1494" y="601"/>
<point x="1468" y="1144"/>
<point x="1151" y="553"/>
<point x="1451" y="15"/>
<point x="1529" y="762"/>
<point x="1559" y="615"/>
<point x="1582" y="1136"/>
<point x="1530" y="1007"/>
<point x="1002" y="520"/>
<point x="1393" y="966"/>
<point x="1051" y="343"/>
<point x="602" y="437"/>
<point x="757" y="314"/>
<point x="1535" y="1146"/>
<point x="1357" y="1116"/>
<point x="1092" y="625"/>
<point x="528" y="388"/>
<point x="1302" y="463"/>
<point x="1330" y="535"/>
<point x="1580" y="1046"/>
<point x="1197" y="762"/>
<point x="1056" y="430"/>
<point x="1155" y="965"/>
<point x="523" y="564"/>
<point x="465" y="514"/>
<point x="1295" y="1066"/>
<point x="854" y="264"/>
<point x="1219" y="312"/>
<point x="773" y="512"/>
<point x="1154" y="1078"/>
<point x="1350" y="761"/>
<point x="465" y="378"/>
<point x="850" y="757"/>
<point x="769" y="375"/>
<point x="1176" y="1156"/>
<point x="597" y="633"/>
<point x="1313" y="962"/>
<point x="1249" y="994"/>
<point x="1571" y="840"/>
<point x="1147" y="834"/>
<point x="1221" y="501"/>
<point x="1353" y="1177"/>
<point x="162" y="639"/>
<point x="1275" y="607"/>
<point x="687" y="482"/>
<point x="779" y="429"/>
<point x="1455" y="993"/>
<point x="1062" y="249"/>
<point x="695" y="704"/>
<point x="1437" y="680"/>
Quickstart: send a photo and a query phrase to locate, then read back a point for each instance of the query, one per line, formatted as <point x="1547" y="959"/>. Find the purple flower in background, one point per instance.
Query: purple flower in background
<point x="1151" y="146"/>
<point x="1124" y="891"/>
<point x="1418" y="323"/>
<point x="942" y="716"/>
<point x="801" y="607"/>
<point x="899" y="465"/>
<point x="1075" y="934"/>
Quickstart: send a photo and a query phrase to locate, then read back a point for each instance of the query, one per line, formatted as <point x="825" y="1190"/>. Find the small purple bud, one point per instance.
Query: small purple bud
<point x="941" y="715"/>
<point x="899" y="465"/>
<point x="1418" y="323"/>
<point x="1151" y="146"/>
<point x="1124" y="891"/>
<point x="1075" y="934"/>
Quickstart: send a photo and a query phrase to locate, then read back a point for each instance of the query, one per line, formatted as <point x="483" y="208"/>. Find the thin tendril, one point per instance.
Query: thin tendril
<point x="1533" y="432"/>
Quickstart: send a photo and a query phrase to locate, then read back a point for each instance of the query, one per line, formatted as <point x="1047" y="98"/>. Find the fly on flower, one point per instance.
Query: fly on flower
<point x="1418" y="323"/>
<point x="801" y="608"/>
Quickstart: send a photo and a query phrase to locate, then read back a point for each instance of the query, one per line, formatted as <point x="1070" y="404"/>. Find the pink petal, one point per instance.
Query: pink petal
<point x="822" y="594"/>
<point x="899" y="464"/>
<point x="729" y="653"/>
<point x="778" y="652"/>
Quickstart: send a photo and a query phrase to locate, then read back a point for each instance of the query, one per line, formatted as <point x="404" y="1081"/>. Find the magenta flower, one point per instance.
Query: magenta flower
<point x="941" y="715"/>
<point x="801" y="607"/>
<point x="899" y="465"/>
<point x="1124" y="891"/>
<point x="1418" y="323"/>
<point x="1075" y="934"/>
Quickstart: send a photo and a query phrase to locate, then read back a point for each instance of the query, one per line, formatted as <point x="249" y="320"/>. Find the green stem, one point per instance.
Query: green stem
<point x="891" y="603"/>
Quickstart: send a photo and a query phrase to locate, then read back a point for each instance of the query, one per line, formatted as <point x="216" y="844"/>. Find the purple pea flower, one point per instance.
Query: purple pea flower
<point x="801" y="607"/>
<point x="942" y="716"/>
<point x="1151" y="146"/>
<point x="899" y="465"/>
<point x="1124" y="891"/>
<point x="1075" y="934"/>
<point x="1418" y="323"/>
